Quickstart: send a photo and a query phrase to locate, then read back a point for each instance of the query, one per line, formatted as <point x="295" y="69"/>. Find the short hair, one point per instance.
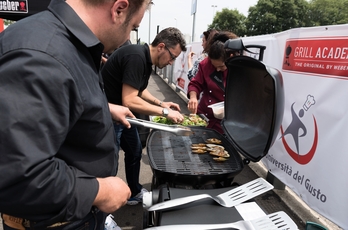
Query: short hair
<point x="134" y="6"/>
<point x="171" y="37"/>
<point x="216" y="45"/>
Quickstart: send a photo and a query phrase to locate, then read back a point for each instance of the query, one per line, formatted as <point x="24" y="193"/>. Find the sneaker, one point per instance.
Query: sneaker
<point x="110" y="224"/>
<point x="137" y="198"/>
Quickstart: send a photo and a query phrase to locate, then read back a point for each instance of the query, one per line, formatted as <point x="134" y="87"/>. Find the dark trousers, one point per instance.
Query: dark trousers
<point x="93" y="221"/>
<point x="129" y="141"/>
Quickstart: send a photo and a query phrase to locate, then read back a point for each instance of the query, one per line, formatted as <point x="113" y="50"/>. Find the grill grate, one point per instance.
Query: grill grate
<point x="172" y="154"/>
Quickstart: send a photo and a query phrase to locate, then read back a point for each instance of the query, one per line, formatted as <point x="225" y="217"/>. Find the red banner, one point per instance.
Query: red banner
<point x="1" y="25"/>
<point x="327" y="56"/>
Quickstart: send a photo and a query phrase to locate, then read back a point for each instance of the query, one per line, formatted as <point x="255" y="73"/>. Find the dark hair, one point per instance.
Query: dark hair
<point x="171" y="37"/>
<point x="216" y="45"/>
<point x="134" y="6"/>
<point x="208" y="35"/>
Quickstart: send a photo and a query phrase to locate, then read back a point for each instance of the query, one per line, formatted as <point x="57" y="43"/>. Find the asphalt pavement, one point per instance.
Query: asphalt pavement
<point x="278" y="199"/>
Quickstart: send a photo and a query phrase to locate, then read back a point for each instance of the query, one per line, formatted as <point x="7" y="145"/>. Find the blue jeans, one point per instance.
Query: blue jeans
<point x="129" y="141"/>
<point x="93" y="221"/>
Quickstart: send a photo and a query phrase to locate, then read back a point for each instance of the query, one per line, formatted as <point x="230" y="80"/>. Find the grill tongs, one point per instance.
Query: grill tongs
<point x="176" y="129"/>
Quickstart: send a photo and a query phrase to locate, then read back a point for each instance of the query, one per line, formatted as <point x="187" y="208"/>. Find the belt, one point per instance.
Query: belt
<point x="21" y="224"/>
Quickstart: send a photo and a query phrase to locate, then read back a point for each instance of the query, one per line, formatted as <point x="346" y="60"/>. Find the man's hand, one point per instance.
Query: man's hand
<point x="171" y="105"/>
<point x="119" y="114"/>
<point x="175" y="116"/>
<point x="113" y="193"/>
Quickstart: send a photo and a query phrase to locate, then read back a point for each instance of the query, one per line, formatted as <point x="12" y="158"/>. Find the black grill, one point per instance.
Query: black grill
<point x="173" y="162"/>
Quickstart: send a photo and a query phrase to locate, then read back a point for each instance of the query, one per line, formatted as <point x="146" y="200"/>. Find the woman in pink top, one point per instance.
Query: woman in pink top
<point x="210" y="79"/>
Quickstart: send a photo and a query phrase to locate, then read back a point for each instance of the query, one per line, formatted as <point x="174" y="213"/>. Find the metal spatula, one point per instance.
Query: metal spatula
<point x="227" y="199"/>
<point x="274" y="221"/>
<point x="176" y="129"/>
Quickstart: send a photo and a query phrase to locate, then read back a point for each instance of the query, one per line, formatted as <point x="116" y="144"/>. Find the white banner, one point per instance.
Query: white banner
<point x="180" y="67"/>
<point x="309" y="153"/>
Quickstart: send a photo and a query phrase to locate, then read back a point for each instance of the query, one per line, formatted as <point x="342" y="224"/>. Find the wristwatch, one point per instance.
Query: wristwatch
<point x="165" y="112"/>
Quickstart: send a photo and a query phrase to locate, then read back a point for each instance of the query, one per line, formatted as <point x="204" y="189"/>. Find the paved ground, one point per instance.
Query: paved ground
<point x="131" y="217"/>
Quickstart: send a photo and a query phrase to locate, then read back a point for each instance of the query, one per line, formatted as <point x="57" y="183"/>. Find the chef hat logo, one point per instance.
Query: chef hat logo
<point x="309" y="102"/>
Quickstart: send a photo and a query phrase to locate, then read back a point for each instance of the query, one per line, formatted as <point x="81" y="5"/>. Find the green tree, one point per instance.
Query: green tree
<point x="8" y="22"/>
<point x="229" y="20"/>
<point x="328" y="12"/>
<point x="271" y="16"/>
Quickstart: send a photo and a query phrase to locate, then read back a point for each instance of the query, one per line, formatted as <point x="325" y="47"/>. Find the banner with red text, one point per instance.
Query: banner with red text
<point x="181" y="65"/>
<point x="309" y="154"/>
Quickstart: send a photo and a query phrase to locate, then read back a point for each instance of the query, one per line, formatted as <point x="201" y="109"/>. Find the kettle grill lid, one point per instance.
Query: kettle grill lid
<point x="254" y="105"/>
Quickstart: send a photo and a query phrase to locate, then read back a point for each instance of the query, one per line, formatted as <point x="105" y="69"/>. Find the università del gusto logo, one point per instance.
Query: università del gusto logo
<point x="297" y="130"/>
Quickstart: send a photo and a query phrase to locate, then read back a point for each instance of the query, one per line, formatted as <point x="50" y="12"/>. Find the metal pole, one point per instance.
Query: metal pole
<point x="214" y="7"/>
<point x="149" y="24"/>
<point x="193" y="12"/>
<point x="158" y="28"/>
<point x="193" y="27"/>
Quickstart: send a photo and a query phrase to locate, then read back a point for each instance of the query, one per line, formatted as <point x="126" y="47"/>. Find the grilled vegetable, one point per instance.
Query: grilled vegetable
<point x="191" y="120"/>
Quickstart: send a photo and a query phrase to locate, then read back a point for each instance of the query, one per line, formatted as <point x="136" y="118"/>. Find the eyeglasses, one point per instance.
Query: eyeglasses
<point x="170" y="53"/>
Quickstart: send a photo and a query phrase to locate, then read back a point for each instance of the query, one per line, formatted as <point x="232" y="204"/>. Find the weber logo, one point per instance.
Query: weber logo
<point x="13" y="6"/>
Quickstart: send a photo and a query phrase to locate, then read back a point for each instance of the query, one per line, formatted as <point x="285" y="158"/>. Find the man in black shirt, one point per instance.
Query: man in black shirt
<point x="57" y="154"/>
<point x="126" y="75"/>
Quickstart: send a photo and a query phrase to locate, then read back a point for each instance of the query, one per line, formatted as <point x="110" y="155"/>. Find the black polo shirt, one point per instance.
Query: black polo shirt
<point x="131" y="65"/>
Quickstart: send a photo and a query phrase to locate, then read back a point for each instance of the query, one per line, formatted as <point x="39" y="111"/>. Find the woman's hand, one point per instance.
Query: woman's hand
<point x="192" y="105"/>
<point x="189" y="59"/>
<point x="190" y="54"/>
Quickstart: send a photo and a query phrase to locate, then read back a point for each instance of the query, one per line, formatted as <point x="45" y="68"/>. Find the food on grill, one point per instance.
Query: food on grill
<point x="191" y="120"/>
<point x="220" y="153"/>
<point x="199" y="150"/>
<point x="219" y="159"/>
<point x="213" y="141"/>
<point x="213" y="147"/>
<point x="199" y="145"/>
